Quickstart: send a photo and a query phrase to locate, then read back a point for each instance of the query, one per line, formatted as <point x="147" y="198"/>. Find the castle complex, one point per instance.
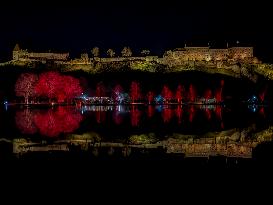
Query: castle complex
<point x="178" y="56"/>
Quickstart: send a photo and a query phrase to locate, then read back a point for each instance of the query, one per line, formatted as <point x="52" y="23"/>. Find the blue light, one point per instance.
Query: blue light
<point x="5" y="102"/>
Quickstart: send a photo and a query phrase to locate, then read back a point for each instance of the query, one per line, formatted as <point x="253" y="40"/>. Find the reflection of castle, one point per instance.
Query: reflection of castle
<point x="175" y="57"/>
<point x="230" y="143"/>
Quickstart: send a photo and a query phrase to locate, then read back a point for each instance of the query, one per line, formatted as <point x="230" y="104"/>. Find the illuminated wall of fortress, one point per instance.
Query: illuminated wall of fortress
<point x="173" y="57"/>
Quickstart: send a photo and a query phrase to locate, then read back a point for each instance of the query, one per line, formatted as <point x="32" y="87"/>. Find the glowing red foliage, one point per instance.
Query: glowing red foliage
<point x="71" y="87"/>
<point x="179" y="93"/>
<point x="25" y="85"/>
<point x="192" y="93"/>
<point x="135" y="92"/>
<point x="100" y="90"/>
<point x="166" y="93"/>
<point x="222" y="83"/>
<point x="55" y="86"/>
<point x="218" y="95"/>
<point x="262" y="94"/>
<point x="208" y="94"/>
<point x="116" y="93"/>
<point x="150" y="97"/>
<point x="49" y="85"/>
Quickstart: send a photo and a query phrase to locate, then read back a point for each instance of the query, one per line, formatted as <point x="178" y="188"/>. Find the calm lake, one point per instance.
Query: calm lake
<point x="136" y="131"/>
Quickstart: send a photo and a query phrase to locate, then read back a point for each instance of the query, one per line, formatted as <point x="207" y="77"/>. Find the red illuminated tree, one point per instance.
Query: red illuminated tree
<point x="135" y="92"/>
<point x="179" y="94"/>
<point x="71" y="87"/>
<point x="49" y="85"/>
<point x="150" y="97"/>
<point x="25" y="86"/>
<point x="166" y="93"/>
<point x="54" y="85"/>
<point x="218" y="95"/>
<point x="100" y="90"/>
<point x="262" y="94"/>
<point x="192" y="93"/>
<point x="208" y="94"/>
<point x="116" y="93"/>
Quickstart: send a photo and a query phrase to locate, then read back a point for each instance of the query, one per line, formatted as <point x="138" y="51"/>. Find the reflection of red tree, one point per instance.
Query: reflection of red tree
<point x="135" y="116"/>
<point x="24" y="121"/>
<point x="262" y="111"/>
<point x="178" y="113"/>
<point x="167" y="115"/>
<point x="208" y="113"/>
<point x="117" y="118"/>
<point x="52" y="123"/>
<point x="150" y="111"/>
<point x="192" y="113"/>
<point x="218" y="112"/>
<point x="100" y="116"/>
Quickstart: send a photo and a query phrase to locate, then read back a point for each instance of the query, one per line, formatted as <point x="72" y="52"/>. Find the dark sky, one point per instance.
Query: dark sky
<point x="79" y="26"/>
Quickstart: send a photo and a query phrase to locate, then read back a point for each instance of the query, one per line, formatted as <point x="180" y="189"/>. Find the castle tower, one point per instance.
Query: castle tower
<point x="15" y="52"/>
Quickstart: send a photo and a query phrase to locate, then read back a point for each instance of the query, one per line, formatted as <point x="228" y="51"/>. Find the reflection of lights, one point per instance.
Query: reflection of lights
<point x="159" y="108"/>
<point x="5" y="102"/>
<point x="253" y="108"/>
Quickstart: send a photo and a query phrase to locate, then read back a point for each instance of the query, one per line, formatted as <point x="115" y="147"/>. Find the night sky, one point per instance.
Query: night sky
<point x="152" y="25"/>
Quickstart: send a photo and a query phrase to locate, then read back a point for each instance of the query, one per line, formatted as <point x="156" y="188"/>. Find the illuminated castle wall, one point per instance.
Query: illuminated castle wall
<point x="175" y="57"/>
<point x="21" y="55"/>
<point x="207" y="54"/>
